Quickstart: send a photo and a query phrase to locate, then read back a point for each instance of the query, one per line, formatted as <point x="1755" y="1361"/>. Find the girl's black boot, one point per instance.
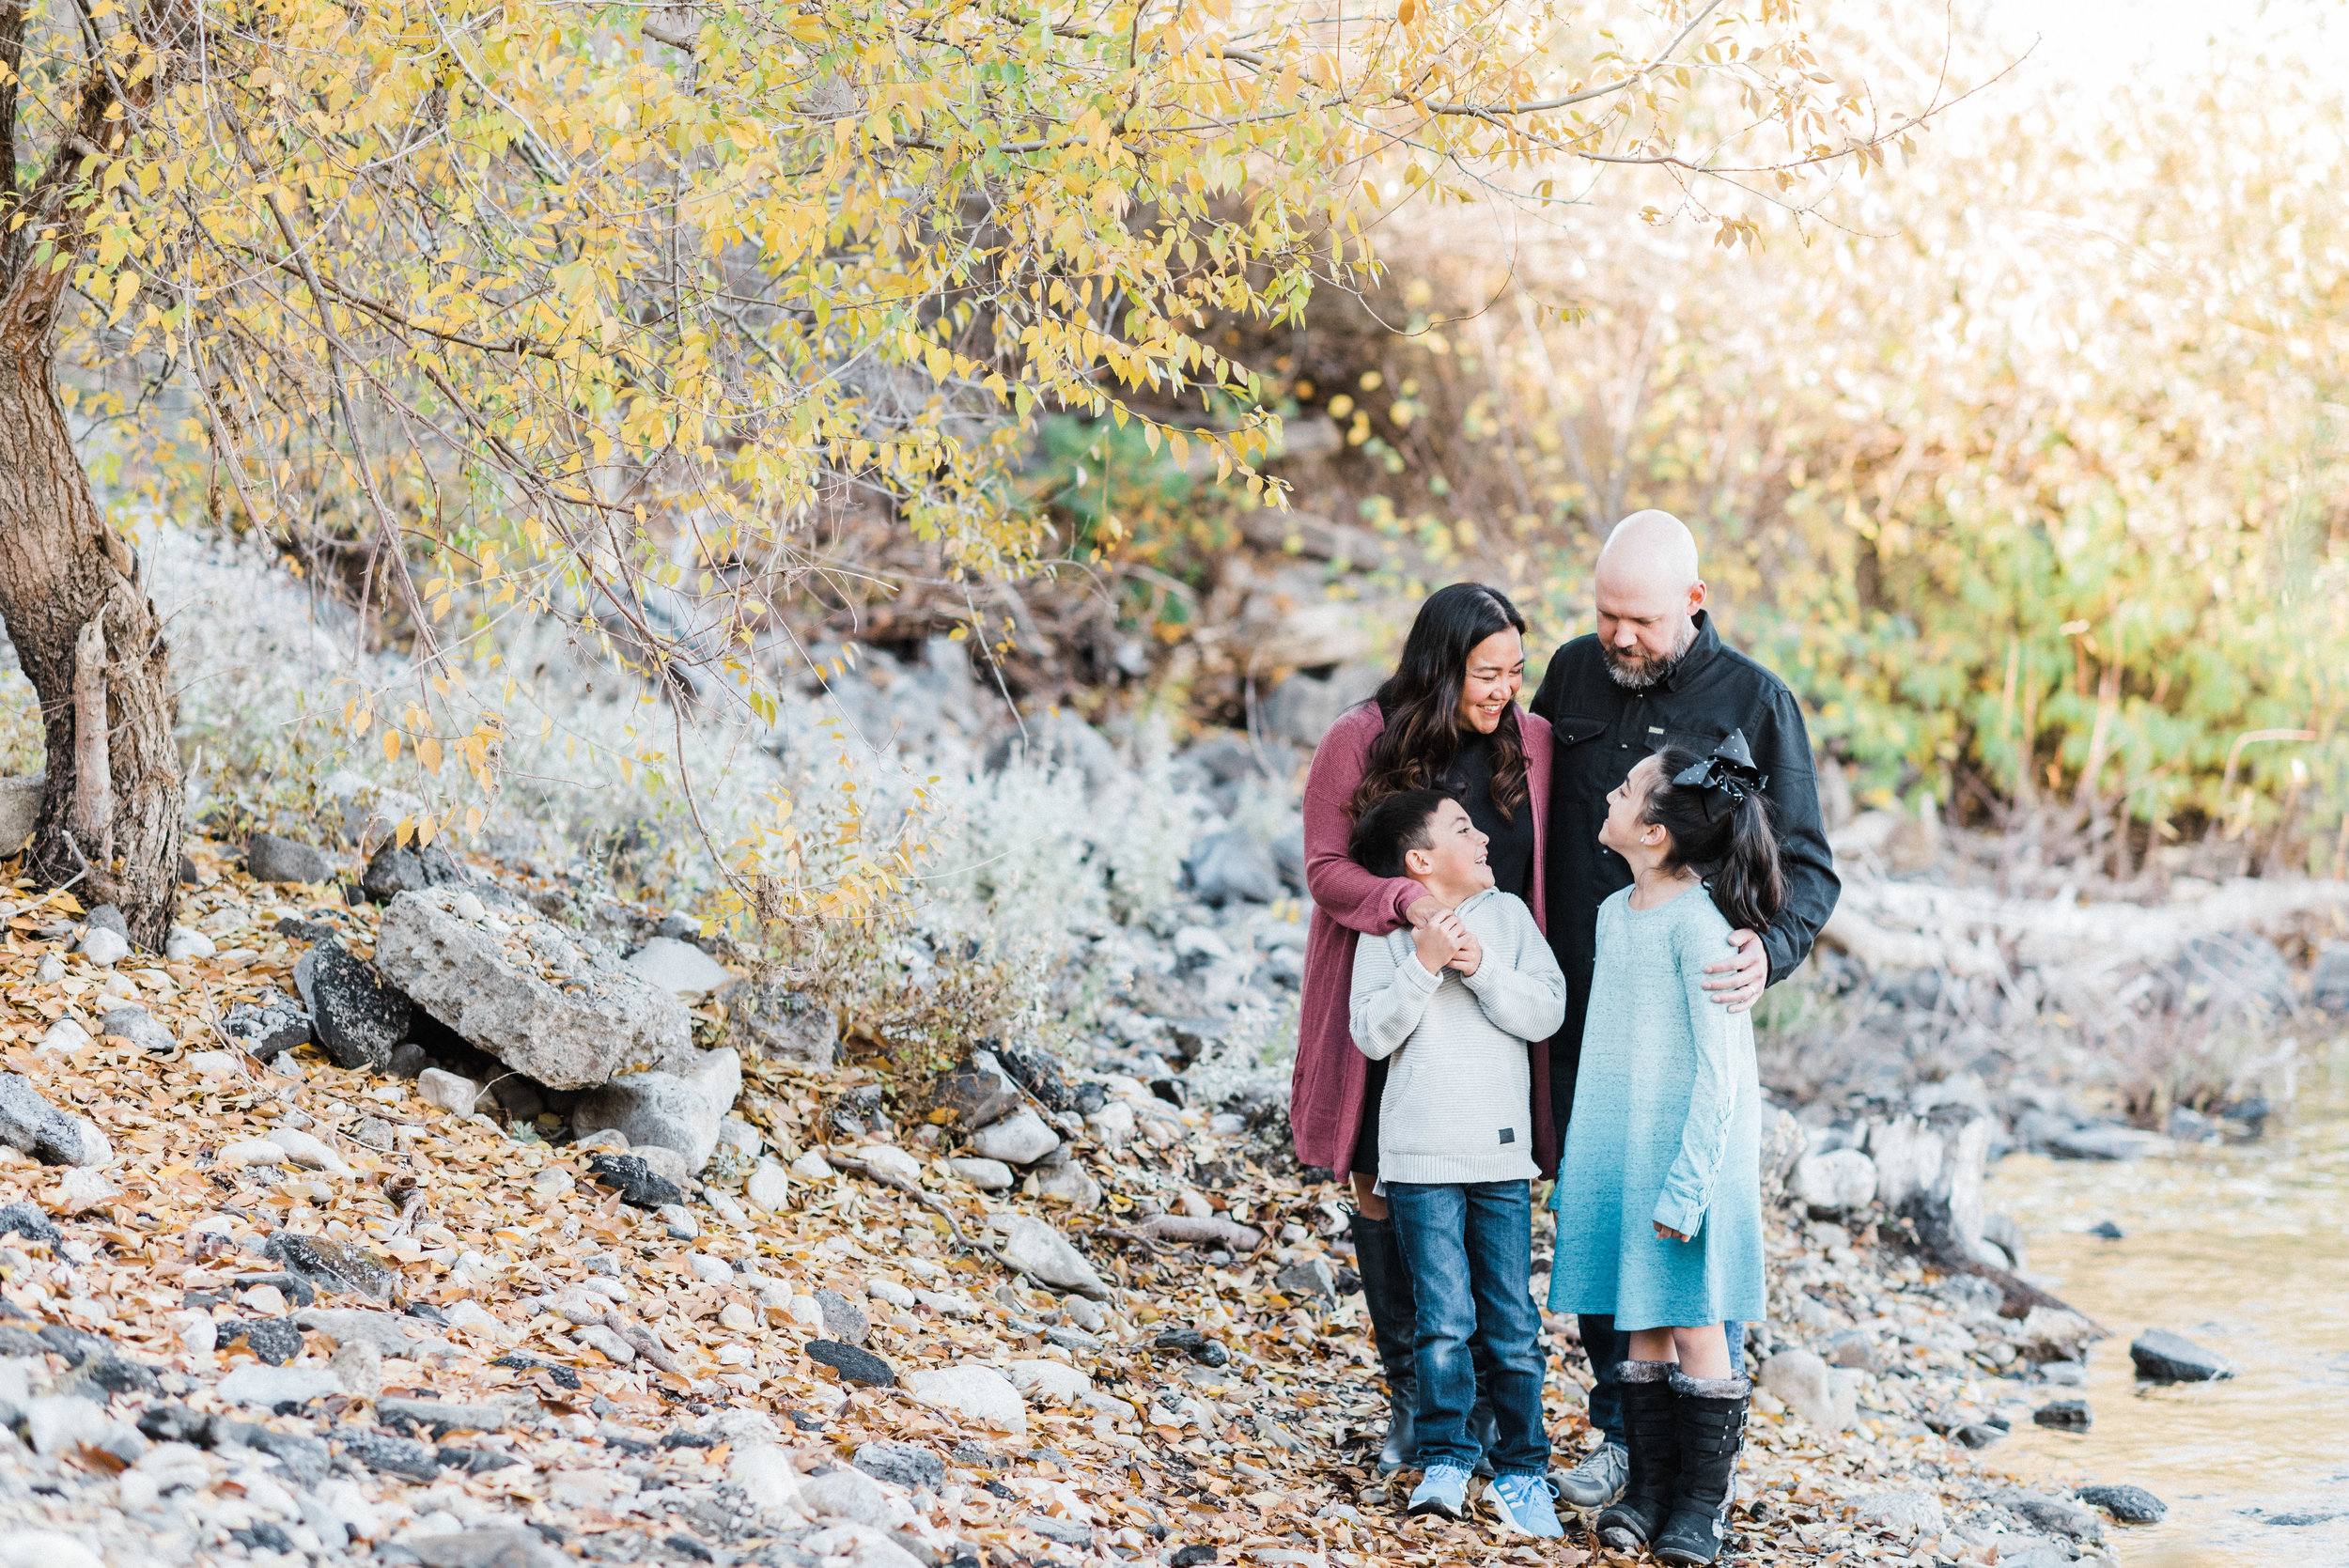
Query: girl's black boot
<point x="1632" y="1520"/>
<point x="1394" y="1322"/>
<point x="1710" y="1414"/>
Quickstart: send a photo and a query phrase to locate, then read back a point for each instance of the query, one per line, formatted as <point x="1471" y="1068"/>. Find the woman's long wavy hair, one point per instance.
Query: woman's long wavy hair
<point x="1421" y="701"/>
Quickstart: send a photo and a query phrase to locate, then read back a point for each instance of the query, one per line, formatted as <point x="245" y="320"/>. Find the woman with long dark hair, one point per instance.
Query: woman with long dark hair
<point x="1446" y="718"/>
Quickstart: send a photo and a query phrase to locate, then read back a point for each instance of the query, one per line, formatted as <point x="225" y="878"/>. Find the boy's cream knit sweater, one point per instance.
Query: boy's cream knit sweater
<point x="1456" y="1106"/>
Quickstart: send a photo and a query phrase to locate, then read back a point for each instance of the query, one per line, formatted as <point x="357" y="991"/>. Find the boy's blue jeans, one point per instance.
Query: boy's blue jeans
<point x="1469" y="1248"/>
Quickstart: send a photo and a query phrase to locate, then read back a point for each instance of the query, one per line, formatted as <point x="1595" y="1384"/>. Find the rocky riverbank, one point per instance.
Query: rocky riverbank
<point x="477" y="1227"/>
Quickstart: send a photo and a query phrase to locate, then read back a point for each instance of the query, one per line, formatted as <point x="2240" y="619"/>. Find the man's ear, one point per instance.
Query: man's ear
<point x="1698" y="596"/>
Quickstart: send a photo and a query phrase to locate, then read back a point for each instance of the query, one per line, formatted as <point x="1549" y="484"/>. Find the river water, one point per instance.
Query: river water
<point x="2245" y="1249"/>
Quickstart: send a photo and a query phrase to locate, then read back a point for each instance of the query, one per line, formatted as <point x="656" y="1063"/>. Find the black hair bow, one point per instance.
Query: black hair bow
<point x="1727" y="777"/>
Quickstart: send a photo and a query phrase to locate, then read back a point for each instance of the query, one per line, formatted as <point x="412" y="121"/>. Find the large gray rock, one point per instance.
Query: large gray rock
<point x="980" y="1394"/>
<point x="2131" y="1505"/>
<point x="1044" y="1253"/>
<point x="1232" y="867"/>
<point x="677" y="1111"/>
<point x="1838" y="1180"/>
<point x="358" y="1017"/>
<point x="1019" y="1138"/>
<point x="266" y="1028"/>
<point x="139" y="1026"/>
<point x="32" y="1124"/>
<point x="2162" y="1356"/>
<point x="393" y="870"/>
<point x="774" y="1020"/>
<point x="564" y="1015"/>
<point x="269" y="857"/>
<point x="678" y="967"/>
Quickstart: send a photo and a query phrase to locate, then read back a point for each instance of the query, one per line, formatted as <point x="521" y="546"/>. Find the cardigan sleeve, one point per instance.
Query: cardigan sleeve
<point x="1341" y="889"/>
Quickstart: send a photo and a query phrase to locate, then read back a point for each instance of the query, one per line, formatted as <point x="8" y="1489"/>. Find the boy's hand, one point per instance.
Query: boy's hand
<point x="1471" y="954"/>
<point x="1665" y="1232"/>
<point x="1435" y="942"/>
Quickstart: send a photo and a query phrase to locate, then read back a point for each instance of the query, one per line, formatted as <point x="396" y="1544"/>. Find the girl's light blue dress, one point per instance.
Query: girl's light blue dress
<point x="1666" y="1127"/>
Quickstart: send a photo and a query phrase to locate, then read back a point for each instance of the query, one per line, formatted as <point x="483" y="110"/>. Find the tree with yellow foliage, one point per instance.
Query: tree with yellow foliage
<point x="605" y="308"/>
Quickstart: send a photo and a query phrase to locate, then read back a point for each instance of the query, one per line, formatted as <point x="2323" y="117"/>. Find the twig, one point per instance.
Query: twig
<point x="1133" y="1239"/>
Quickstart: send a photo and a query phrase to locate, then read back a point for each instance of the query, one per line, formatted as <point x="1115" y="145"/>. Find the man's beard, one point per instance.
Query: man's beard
<point x="1637" y="672"/>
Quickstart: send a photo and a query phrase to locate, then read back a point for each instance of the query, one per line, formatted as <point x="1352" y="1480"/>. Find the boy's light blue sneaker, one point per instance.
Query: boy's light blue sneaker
<point x="1442" y="1490"/>
<point x="1523" y="1503"/>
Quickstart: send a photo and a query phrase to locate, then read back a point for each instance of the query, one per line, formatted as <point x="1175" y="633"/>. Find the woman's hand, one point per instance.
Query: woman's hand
<point x="1665" y="1232"/>
<point x="1423" y="909"/>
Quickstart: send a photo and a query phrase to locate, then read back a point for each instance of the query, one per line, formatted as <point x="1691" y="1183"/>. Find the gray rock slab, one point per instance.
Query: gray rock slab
<point x="680" y="1110"/>
<point x="270" y="1386"/>
<point x="1019" y="1138"/>
<point x="140" y="1026"/>
<point x="359" y="1019"/>
<point x="266" y="1028"/>
<point x="2162" y="1356"/>
<point x="1045" y="1254"/>
<point x="564" y="1015"/>
<point x="393" y="870"/>
<point x="270" y="858"/>
<point x="843" y="1320"/>
<point x="902" y="1464"/>
<point x="2130" y="1505"/>
<point x="987" y="1176"/>
<point x="33" y="1125"/>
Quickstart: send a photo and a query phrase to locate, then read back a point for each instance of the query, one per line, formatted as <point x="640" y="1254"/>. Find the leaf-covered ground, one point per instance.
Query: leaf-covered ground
<point x="619" y="1392"/>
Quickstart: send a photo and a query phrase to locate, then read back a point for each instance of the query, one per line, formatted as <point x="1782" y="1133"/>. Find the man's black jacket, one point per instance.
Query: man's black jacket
<point x="1600" y="731"/>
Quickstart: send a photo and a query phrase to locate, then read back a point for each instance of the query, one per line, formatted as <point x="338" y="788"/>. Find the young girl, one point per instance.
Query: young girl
<point x="1661" y="1155"/>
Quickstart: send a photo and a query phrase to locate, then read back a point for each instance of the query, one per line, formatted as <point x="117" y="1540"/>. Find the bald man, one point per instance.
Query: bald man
<point x="1656" y="673"/>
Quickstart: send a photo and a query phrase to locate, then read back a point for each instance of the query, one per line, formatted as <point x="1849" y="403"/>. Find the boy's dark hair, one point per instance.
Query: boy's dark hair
<point x="1393" y="828"/>
<point x="1724" y="836"/>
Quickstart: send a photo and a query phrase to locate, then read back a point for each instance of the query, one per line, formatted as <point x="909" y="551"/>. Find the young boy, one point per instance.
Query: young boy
<point x="1451" y="1007"/>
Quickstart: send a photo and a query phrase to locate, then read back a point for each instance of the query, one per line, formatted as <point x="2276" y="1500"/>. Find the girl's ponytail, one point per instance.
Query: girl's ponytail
<point x="1720" y="827"/>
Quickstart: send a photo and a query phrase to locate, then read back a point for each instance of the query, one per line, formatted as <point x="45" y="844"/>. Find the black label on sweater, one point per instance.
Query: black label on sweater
<point x="1508" y="1135"/>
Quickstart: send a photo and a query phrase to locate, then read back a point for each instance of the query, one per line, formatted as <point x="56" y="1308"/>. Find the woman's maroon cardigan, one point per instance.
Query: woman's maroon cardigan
<point x="1326" y="1089"/>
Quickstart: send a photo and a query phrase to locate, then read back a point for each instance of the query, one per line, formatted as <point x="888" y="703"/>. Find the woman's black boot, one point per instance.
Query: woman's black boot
<point x="1710" y="1414"/>
<point x="1394" y="1322"/>
<point x="1632" y="1520"/>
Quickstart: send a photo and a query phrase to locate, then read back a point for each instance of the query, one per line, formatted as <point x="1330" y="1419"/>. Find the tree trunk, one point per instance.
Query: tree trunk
<point x="61" y="566"/>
